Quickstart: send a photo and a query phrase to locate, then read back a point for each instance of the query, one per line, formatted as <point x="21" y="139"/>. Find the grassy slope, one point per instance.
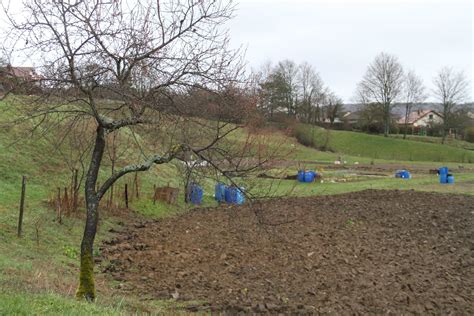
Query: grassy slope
<point x="379" y="147"/>
<point x="39" y="275"/>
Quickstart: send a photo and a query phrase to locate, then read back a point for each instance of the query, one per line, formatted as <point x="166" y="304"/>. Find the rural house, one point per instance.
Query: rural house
<point x="10" y="76"/>
<point x="421" y="119"/>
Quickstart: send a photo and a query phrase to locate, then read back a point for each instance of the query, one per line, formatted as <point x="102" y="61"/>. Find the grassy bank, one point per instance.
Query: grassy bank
<point x="379" y="147"/>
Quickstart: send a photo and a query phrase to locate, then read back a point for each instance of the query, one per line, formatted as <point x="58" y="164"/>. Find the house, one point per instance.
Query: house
<point x="351" y="118"/>
<point x="421" y="119"/>
<point x="13" y="76"/>
<point x="24" y="73"/>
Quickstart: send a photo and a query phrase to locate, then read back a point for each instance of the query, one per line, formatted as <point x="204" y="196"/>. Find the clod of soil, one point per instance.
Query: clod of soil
<point x="371" y="252"/>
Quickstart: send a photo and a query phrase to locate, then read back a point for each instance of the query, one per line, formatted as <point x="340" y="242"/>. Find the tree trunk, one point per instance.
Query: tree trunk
<point x="86" y="288"/>
<point x="407" y="109"/>
<point x="386" y="121"/>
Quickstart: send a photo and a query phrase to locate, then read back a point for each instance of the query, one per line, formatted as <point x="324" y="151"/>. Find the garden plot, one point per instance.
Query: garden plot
<point x="371" y="252"/>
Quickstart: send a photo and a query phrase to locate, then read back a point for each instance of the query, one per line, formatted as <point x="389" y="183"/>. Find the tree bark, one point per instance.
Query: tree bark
<point x="386" y="129"/>
<point x="86" y="288"/>
<point x="407" y="109"/>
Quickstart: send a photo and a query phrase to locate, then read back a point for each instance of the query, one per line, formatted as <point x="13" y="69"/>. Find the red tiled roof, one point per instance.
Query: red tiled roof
<point x="416" y="115"/>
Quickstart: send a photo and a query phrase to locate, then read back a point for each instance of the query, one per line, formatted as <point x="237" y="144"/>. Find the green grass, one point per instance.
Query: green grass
<point x="464" y="185"/>
<point x="379" y="147"/>
<point x="51" y="304"/>
<point x="437" y="140"/>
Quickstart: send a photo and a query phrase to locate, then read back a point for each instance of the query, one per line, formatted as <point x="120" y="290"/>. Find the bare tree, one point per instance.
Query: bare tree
<point x="285" y="75"/>
<point x="413" y="93"/>
<point x="333" y="107"/>
<point x="382" y="83"/>
<point x="126" y="66"/>
<point x="450" y="89"/>
<point x="311" y="88"/>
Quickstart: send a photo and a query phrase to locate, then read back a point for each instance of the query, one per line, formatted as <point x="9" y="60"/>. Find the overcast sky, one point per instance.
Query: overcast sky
<point x="341" y="37"/>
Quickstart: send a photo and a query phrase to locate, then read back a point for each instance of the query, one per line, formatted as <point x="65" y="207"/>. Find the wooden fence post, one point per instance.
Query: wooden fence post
<point x="154" y="194"/>
<point x="137" y="193"/>
<point x="74" y="198"/>
<point x="126" y="195"/>
<point x="59" y="205"/>
<point x="22" y="204"/>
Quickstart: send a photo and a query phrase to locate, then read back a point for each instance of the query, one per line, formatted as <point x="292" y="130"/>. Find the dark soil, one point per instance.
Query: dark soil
<point x="371" y="252"/>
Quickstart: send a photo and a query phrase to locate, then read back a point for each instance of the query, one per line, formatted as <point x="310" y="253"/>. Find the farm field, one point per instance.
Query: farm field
<point x="371" y="252"/>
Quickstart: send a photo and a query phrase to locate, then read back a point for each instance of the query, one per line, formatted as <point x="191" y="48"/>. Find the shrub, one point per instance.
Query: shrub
<point x="469" y="134"/>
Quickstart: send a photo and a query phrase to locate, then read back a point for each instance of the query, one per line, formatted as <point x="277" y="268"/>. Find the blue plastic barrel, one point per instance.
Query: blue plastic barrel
<point x="443" y="178"/>
<point x="239" y="196"/>
<point x="300" y="176"/>
<point x="309" y="176"/>
<point x="228" y="194"/>
<point x="450" y="179"/>
<point x="404" y="174"/>
<point x="196" y="194"/>
<point x="443" y="170"/>
<point x="220" y="192"/>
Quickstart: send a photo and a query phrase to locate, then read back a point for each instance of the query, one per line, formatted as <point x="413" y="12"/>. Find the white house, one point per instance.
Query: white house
<point x="422" y="118"/>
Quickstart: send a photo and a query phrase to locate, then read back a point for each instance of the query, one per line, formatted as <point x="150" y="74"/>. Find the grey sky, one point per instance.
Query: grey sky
<point x="340" y="38"/>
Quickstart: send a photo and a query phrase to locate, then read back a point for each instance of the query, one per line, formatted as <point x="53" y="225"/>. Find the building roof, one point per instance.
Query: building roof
<point x="22" y="72"/>
<point x="414" y="116"/>
<point x="351" y="116"/>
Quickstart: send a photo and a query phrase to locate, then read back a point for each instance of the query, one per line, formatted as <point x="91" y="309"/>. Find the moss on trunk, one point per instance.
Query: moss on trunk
<point x="86" y="288"/>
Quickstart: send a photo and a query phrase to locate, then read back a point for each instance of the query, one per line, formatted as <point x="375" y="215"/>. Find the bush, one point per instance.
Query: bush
<point x="303" y="136"/>
<point x="469" y="134"/>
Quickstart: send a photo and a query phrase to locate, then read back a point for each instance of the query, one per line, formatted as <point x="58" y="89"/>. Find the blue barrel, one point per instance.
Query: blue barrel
<point x="228" y="194"/>
<point x="443" y="170"/>
<point x="220" y="192"/>
<point x="309" y="176"/>
<point x="443" y="178"/>
<point x="300" y="176"/>
<point x="406" y="174"/>
<point x="239" y="196"/>
<point x="450" y="179"/>
<point x="196" y="194"/>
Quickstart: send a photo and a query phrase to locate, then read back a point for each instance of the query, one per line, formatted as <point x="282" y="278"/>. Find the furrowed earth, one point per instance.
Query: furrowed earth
<point x="370" y="252"/>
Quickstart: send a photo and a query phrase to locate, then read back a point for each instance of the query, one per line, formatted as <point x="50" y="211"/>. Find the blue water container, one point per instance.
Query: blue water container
<point x="239" y="196"/>
<point x="443" y="170"/>
<point x="300" y="176"/>
<point x="443" y="175"/>
<point x="220" y="192"/>
<point x="404" y="174"/>
<point x="443" y="178"/>
<point x="309" y="176"/>
<point x="196" y="194"/>
<point x="228" y="194"/>
<point x="450" y="179"/>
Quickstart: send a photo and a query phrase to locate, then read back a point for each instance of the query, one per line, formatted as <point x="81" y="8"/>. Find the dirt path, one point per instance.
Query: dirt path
<point x="371" y="252"/>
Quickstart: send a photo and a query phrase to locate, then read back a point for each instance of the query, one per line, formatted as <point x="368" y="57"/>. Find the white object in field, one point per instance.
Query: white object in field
<point x="356" y="163"/>
<point x="195" y="163"/>
<point x="337" y="162"/>
<point x="345" y="162"/>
